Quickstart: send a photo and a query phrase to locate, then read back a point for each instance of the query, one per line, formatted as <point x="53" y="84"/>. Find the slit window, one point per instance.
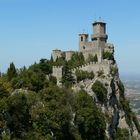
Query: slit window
<point x="81" y="38"/>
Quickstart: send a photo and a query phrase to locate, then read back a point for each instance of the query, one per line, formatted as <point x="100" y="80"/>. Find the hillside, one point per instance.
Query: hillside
<point x="72" y="96"/>
<point x="91" y="107"/>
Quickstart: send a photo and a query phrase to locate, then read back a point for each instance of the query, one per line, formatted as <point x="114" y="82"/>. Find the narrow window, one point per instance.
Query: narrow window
<point x="81" y="38"/>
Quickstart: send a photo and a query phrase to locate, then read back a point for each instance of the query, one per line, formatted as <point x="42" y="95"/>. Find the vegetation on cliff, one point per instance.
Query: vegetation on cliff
<point x="32" y="106"/>
<point x="40" y="110"/>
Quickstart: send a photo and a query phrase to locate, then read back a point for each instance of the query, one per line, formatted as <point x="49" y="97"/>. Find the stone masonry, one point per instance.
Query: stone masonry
<point x="95" y="46"/>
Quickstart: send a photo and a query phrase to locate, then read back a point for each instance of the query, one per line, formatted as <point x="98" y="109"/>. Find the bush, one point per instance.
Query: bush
<point x="114" y="71"/>
<point x="59" y="62"/>
<point x="81" y="75"/>
<point x="121" y="88"/>
<point x="108" y="55"/>
<point x="100" y="73"/>
<point x="100" y="91"/>
<point x="92" y="58"/>
<point x="77" y="59"/>
<point x="53" y="80"/>
<point x="122" y="134"/>
<point x="89" y="119"/>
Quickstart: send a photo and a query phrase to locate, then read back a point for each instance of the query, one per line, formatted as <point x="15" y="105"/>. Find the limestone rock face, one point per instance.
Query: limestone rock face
<point x="117" y="112"/>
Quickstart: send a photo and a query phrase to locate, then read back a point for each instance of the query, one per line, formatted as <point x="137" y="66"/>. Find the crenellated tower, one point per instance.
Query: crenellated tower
<point x="90" y="47"/>
<point x="99" y="37"/>
<point x="83" y="40"/>
<point x="97" y="43"/>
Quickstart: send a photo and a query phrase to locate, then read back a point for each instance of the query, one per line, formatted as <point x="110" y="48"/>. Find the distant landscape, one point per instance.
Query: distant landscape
<point x="132" y="91"/>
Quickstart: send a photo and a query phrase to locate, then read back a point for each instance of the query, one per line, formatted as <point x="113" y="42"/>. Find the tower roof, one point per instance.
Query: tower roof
<point x="98" y="22"/>
<point x="83" y="34"/>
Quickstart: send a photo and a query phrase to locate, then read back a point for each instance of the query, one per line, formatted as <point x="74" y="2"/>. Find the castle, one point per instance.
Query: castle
<point x="97" y="45"/>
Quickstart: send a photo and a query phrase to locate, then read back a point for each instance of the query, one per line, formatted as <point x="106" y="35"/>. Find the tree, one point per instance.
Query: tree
<point x="45" y="66"/>
<point x="77" y="59"/>
<point x="52" y="115"/>
<point x="100" y="91"/>
<point x="29" y="79"/>
<point x="11" y="72"/>
<point x="67" y="78"/>
<point x="95" y="59"/>
<point x="19" y="114"/>
<point x="89" y="119"/>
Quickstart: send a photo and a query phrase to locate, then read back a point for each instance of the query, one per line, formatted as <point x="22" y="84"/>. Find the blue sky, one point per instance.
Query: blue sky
<point x="31" y="29"/>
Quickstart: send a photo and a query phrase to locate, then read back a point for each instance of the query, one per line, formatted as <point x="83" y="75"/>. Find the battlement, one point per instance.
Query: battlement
<point x="95" y="67"/>
<point x="57" y="67"/>
<point x="105" y="67"/>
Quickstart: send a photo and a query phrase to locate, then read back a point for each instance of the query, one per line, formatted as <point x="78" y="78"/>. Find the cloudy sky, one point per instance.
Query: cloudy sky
<point x="31" y="29"/>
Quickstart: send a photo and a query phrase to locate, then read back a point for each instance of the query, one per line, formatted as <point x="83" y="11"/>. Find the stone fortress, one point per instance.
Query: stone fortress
<point x="95" y="46"/>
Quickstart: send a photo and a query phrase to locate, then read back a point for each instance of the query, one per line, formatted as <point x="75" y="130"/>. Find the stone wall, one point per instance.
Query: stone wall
<point x="86" y="46"/>
<point x="95" y="67"/>
<point x="68" y="55"/>
<point x="56" y="54"/>
<point x="92" y="66"/>
<point x="57" y="72"/>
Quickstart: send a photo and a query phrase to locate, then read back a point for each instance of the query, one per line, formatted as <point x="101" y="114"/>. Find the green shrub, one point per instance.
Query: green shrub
<point x="92" y="58"/>
<point x="121" y="88"/>
<point x="114" y="71"/>
<point x="100" y="91"/>
<point x="122" y="134"/>
<point x="59" y="61"/>
<point x="53" y="80"/>
<point x="100" y="73"/>
<point x="108" y="55"/>
<point x="77" y="59"/>
<point x="81" y="75"/>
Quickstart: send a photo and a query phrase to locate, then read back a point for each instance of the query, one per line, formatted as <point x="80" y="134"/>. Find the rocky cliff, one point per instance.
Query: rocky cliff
<point x="107" y="92"/>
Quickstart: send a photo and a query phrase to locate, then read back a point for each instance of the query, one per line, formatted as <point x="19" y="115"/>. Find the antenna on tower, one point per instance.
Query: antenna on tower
<point x="100" y="19"/>
<point x="83" y="31"/>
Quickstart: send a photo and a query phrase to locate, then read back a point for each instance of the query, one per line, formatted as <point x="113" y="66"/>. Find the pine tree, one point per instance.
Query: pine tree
<point x="11" y="72"/>
<point x="67" y="78"/>
<point x="95" y="58"/>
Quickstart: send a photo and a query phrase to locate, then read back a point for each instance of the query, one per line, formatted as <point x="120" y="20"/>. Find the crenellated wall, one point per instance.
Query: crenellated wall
<point x="95" y="67"/>
<point x="90" y="67"/>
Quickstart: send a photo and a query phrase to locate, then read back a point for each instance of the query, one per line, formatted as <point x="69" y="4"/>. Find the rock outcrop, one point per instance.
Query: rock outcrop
<point x="115" y="108"/>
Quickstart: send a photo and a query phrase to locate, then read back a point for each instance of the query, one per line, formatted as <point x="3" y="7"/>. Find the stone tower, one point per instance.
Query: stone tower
<point x="83" y="39"/>
<point x="56" y="54"/>
<point x="99" y="37"/>
<point x="97" y="43"/>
